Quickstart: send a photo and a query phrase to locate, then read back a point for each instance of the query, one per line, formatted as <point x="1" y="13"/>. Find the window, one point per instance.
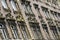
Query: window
<point x="54" y="32"/>
<point x="13" y="4"/>
<point x="58" y="16"/>
<point x="36" y="0"/>
<point x="31" y="19"/>
<point x="47" y="34"/>
<point x="14" y="31"/>
<point x="1" y="15"/>
<point x="27" y="7"/>
<point x="4" y="4"/>
<point x="46" y="12"/>
<point x="46" y="31"/>
<point x="59" y="32"/>
<point x="9" y="16"/>
<point x="13" y="28"/>
<point x="3" y="31"/>
<point x="24" y="31"/>
<point x="59" y="29"/>
<point x="58" y="24"/>
<point x="54" y="2"/>
<point x="51" y="23"/>
<point x="44" y="0"/>
<point x="37" y="9"/>
<point x="54" y="14"/>
<point x="42" y="21"/>
<point x="49" y="1"/>
<point x="36" y="31"/>
<point x="19" y="17"/>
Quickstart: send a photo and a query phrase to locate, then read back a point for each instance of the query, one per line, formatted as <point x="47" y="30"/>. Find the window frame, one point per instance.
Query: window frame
<point x="4" y="4"/>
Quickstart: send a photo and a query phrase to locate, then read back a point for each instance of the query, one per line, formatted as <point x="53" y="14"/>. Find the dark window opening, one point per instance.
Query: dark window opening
<point x="54" y="32"/>
<point x="36" y="30"/>
<point x="12" y="26"/>
<point x="37" y="9"/>
<point x="3" y="31"/>
<point x="27" y="8"/>
<point x="46" y="12"/>
<point x="24" y="30"/>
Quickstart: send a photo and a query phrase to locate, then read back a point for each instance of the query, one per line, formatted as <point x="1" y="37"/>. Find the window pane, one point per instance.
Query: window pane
<point x="4" y="4"/>
<point x="13" y="4"/>
<point x="36" y="31"/>
<point x="46" y="31"/>
<point x="14" y="31"/>
<point x="3" y="32"/>
<point x="54" y="33"/>
<point x="27" y="7"/>
<point x="46" y="12"/>
<point x="47" y="34"/>
<point x="25" y="35"/>
<point x="37" y="9"/>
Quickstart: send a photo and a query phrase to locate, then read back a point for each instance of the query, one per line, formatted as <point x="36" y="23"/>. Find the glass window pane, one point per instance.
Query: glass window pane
<point x="3" y="32"/>
<point x="46" y="12"/>
<point x="13" y="4"/>
<point x="37" y="9"/>
<point x="36" y="31"/>
<point x="25" y="9"/>
<point x="25" y="35"/>
<point x="14" y="31"/>
<point x="54" y="33"/>
<point x="29" y="9"/>
<point x="4" y="4"/>
<point x="47" y="34"/>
